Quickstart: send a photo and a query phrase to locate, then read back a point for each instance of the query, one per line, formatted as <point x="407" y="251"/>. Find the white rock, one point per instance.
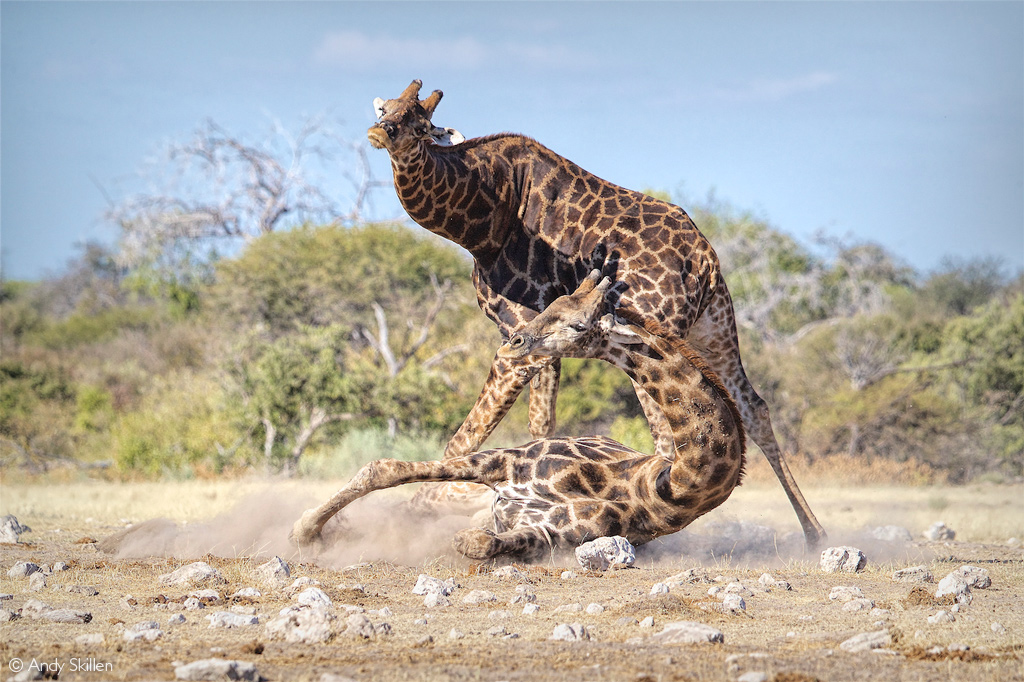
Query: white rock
<point x="301" y="624"/>
<point x="510" y="572"/>
<point x="301" y="583"/>
<point x="65" y="616"/>
<point x="217" y="669"/>
<point x="753" y="676"/>
<point x="734" y="602"/>
<point x="859" y="605"/>
<point x="313" y="596"/>
<point x="22" y="569"/>
<point x="647" y="622"/>
<point x="524" y="595"/>
<point x="939" y="532"/>
<point x="60" y="566"/>
<point x="570" y="633"/>
<point x="455" y="634"/>
<point x="434" y="599"/>
<point x="479" y="597"/>
<point x="10" y="529"/>
<point x="594" y="609"/>
<point x="604" y="553"/>
<point x="845" y="559"/>
<point x="955" y="585"/>
<point x="659" y="588"/>
<point x="738" y="588"/>
<point x="998" y="628"/>
<point x="530" y="609"/>
<point x="844" y="593"/>
<point x="975" y="577"/>
<point x="914" y="574"/>
<point x="569" y="608"/>
<point x="37" y="582"/>
<point x="892" y="534"/>
<point x="176" y="619"/>
<point x="193" y="604"/>
<point x="196" y="573"/>
<point x="867" y="641"/>
<point x="568" y="575"/>
<point x="426" y="584"/>
<point x="941" y="617"/>
<point x="499" y="614"/>
<point x="148" y="630"/>
<point x="273" y="573"/>
<point x="250" y="592"/>
<point x="688" y="632"/>
<point x="227" y="619"/>
<point x="358" y="625"/>
<point x="766" y="580"/>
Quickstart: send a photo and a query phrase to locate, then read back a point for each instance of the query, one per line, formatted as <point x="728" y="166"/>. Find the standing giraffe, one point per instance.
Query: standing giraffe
<point x="561" y="492"/>
<point x="532" y="221"/>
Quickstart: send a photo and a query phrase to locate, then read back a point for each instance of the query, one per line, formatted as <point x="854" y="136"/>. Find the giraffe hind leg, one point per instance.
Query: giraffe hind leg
<point x="526" y="544"/>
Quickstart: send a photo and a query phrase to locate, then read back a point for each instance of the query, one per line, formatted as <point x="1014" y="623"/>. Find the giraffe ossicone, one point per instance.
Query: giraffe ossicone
<point x="557" y="493"/>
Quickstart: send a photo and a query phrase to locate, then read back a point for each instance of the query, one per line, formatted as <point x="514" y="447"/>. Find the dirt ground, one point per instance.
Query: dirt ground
<point x="789" y="635"/>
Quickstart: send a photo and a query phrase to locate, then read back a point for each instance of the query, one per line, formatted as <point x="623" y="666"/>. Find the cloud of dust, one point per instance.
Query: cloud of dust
<point x="370" y="529"/>
<point x="382" y="529"/>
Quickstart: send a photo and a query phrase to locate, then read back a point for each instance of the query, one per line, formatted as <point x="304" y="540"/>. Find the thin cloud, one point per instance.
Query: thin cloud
<point x="774" y="90"/>
<point x="353" y="50"/>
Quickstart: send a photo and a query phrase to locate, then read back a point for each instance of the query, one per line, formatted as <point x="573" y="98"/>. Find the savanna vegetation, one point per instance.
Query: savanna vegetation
<point x="220" y="338"/>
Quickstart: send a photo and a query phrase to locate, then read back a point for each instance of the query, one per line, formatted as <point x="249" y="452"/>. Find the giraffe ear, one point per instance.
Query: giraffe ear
<point x="378" y="106"/>
<point x="447" y="137"/>
<point x="619" y="332"/>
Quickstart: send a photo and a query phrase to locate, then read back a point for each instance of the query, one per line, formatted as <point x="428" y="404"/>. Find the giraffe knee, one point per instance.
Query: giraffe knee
<point x="476" y="543"/>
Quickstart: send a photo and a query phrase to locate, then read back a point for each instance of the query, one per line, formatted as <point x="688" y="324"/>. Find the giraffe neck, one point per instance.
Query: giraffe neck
<point x="705" y="422"/>
<point x="456" y="194"/>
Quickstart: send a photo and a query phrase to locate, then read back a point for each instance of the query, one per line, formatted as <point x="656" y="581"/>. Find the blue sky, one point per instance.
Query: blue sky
<point x="900" y="123"/>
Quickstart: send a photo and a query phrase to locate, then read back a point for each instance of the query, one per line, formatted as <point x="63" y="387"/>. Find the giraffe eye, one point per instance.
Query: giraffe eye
<point x="580" y="326"/>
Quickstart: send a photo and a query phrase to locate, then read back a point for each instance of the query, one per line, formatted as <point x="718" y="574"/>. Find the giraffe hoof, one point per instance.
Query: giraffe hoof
<point x="476" y="543"/>
<point x="306" y="532"/>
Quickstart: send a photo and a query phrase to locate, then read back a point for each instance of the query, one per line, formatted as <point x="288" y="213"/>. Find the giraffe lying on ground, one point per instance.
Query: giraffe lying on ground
<point x="561" y="492"/>
<point x="532" y="220"/>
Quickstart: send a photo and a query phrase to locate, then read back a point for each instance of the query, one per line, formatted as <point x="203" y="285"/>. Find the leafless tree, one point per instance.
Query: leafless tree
<point x="217" y="189"/>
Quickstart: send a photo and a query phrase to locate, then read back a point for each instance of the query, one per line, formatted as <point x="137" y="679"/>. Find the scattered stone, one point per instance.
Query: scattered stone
<point x="91" y="639"/>
<point x="568" y="575"/>
<point x="217" y="669"/>
<point x="301" y="625"/>
<point x="658" y="588"/>
<point x="176" y="619"/>
<point x="530" y="609"/>
<point x="957" y="646"/>
<point x="10" y="529"/>
<point x="6" y="615"/>
<point x="313" y="596"/>
<point x="866" y="641"/>
<point x="569" y="608"/>
<point x="939" y="532"/>
<point x="193" y="604"/>
<point x="690" y="575"/>
<point x="734" y="602"/>
<point x="301" y="583"/>
<point x="22" y="569"/>
<point x="510" y="572"/>
<point x="147" y="630"/>
<point x="332" y="677"/>
<point x="594" y="609"/>
<point x="65" y="616"/>
<point x="892" y="534"/>
<point x="358" y="625"/>
<point x="426" y="640"/>
<point x="497" y="631"/>
<point x="914" y="574"/>
<point x="6" y="597"/>
<point x="753" y="676"/>
<point x="273" y="573"/>
<point x="524" y="595"/>
<point x="499" y="614"/>
<point x="248" y="592"/>
<point x="36" y="582"/>
<point x="60" y="566"/>
<point x="456" y="634"/>
<point x="976" y="578"/>
<point x="426" y="585"/>
<point x="688" y="632"/>
<point x="196" y="573"/>
<point x="998" y="628"/>
<point x="859" y="605"/>
<point x="479" y="597"/>
<point x="738" y="588"/>
<point x="844" y="593"/>
<point x="87" y="590"/>
<point x="227" y="619"/>
<point x="606" y="553"/>
<point x="434" y="599"/>
<point x="941" y="617"/>
<point x="569" y="633"/>
<point x="956" y="586"/>
<point x="647" y="622"/>
<point x="843" y="559"/>
<point x="880" y="613"/>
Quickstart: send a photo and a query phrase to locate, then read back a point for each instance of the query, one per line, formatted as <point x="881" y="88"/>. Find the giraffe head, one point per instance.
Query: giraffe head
<point x="573" y="326"/>
<point x="405" y="121"/>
